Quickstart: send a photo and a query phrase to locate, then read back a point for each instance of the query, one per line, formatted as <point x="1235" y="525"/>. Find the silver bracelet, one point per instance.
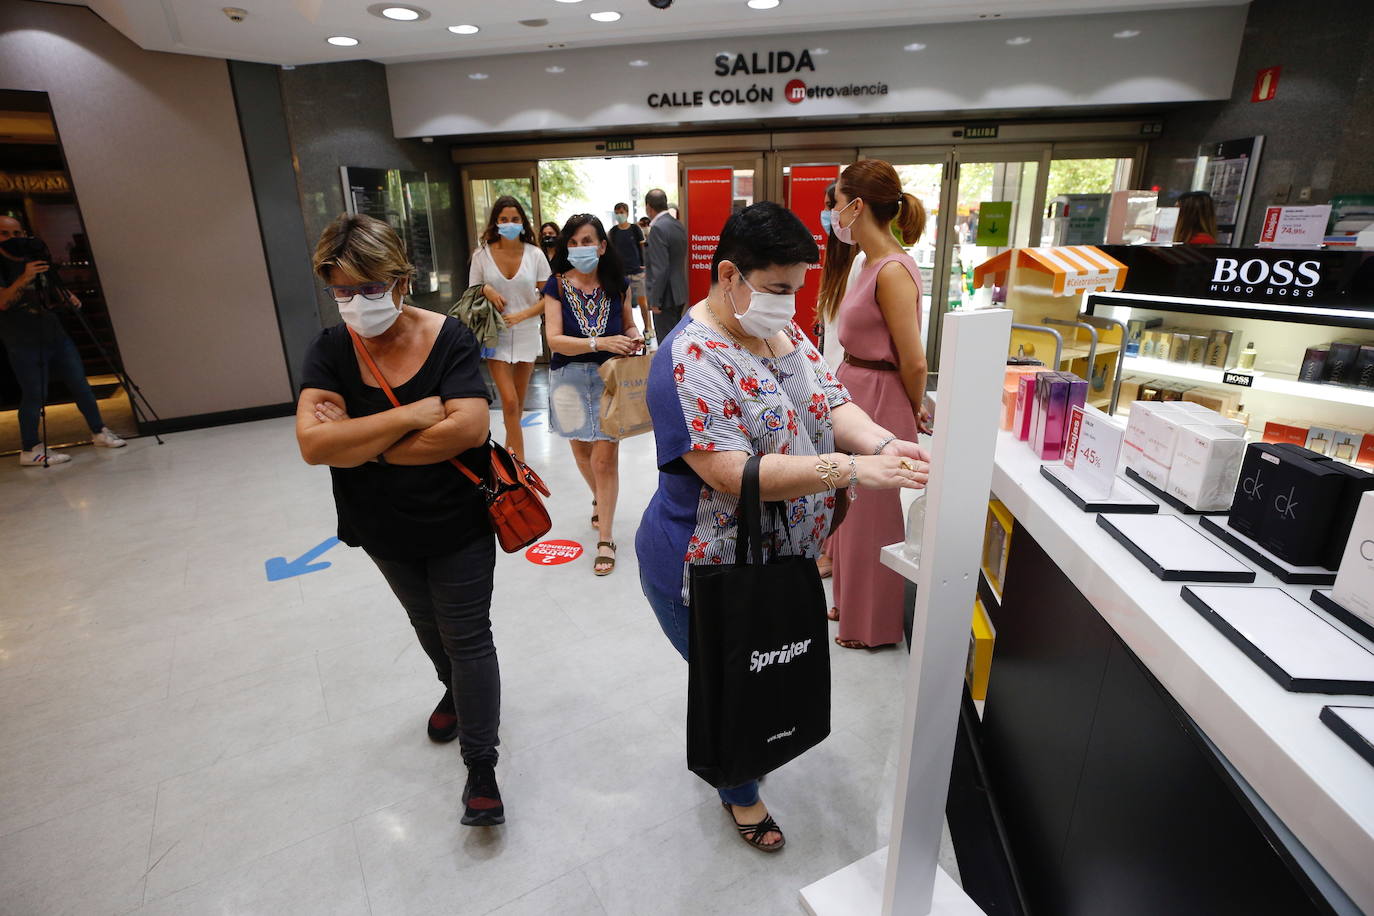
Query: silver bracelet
<point x="884" y="444"/>
<point x="853" y="478"/>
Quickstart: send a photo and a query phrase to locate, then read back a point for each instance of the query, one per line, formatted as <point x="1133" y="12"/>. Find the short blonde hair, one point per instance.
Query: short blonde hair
<point x="365" y="247"/>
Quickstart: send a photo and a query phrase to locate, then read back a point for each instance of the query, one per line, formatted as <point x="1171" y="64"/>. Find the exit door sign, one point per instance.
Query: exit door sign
<point x="1266" y="84"/>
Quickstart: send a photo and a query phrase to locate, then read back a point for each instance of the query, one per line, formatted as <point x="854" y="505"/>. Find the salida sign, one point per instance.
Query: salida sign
<point x="762" y="63"/>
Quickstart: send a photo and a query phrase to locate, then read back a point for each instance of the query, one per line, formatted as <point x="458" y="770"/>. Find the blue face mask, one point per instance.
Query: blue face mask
<point x="583" y="258"/>
<point x="510" y="231"/>
<point x="827" y="218"/>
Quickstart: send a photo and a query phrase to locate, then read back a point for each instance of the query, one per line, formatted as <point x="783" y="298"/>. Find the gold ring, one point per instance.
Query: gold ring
<point x="907" y="465"/>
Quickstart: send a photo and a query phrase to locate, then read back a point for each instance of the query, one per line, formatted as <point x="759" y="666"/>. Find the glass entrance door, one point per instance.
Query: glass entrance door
<point x="711" y="186"/>
<point x="483" y="184"/>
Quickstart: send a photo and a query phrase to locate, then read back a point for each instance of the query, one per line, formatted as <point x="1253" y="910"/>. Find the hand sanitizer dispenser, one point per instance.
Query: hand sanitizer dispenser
<point x="915" y="527"/>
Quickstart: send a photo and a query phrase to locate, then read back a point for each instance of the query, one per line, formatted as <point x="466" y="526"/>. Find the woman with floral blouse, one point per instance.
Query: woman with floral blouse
<point x="739" y="379"/>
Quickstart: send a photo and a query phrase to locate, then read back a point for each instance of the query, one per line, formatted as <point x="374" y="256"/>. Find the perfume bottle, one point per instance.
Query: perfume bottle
<point x="1247" y="356"/>
<point x="915" y="527"/>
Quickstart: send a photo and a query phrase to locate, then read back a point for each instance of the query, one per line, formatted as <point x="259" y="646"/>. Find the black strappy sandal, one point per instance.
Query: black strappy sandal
<point x="595" y="516"/>
<point x="753" y="834"/>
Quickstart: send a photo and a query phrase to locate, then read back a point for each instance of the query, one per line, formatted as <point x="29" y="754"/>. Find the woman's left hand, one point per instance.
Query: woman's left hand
<point x="907" y="450"/>
<point x="925" y="417"/>
<point x="329" y="412"/>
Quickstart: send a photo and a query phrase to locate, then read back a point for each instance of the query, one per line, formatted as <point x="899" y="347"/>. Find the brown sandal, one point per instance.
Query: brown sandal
<point x="602" y="566"/>
<point x="851" y="644"/>
<point x="753" y="834"/>
<point x="832" y="614"/>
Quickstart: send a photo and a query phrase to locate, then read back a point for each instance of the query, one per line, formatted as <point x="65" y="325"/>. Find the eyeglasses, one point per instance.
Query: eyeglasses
<point x="370" y="291"/>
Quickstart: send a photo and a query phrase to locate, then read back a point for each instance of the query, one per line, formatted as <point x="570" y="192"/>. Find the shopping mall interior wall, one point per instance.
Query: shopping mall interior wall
<point x="340" y="115"/>
<point x="153" y="145"/>
<point x="1318" y="129"/>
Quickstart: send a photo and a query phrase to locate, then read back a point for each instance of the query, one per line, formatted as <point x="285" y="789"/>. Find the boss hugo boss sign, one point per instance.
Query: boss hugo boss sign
<point x="1284" y="277"/>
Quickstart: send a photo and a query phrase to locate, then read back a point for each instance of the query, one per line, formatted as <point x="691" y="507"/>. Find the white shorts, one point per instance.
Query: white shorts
<point x="520" y="344"/>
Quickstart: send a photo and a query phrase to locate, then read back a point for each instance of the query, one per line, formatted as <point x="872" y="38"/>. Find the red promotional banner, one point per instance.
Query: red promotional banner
<point x="710" y="194"/>
<point x="806" y="198"/>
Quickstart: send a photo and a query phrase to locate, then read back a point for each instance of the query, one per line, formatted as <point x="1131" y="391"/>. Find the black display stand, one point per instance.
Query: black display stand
<point x="1286" y="572"/>
<point x="1256" y="652"/>
<point x="1331" y="716"/>
<point x="1324" y="601"/>
<point x="1118" y="507"/>
<point x="1171" y="572"/>
<point x="1172" y="501"/>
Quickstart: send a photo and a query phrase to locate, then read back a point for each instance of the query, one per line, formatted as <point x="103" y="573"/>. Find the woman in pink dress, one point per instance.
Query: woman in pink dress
<point x="885" y="370"/>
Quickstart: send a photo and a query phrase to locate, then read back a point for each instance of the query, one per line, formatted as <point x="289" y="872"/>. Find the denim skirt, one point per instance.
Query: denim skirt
<point x="575" y="391"/>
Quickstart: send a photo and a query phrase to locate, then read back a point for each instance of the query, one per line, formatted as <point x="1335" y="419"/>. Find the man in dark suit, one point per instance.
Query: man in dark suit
<point x="667" y="264"/>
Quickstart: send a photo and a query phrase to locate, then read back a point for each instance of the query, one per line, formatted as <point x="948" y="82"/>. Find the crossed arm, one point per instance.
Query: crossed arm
<point x="424" y="432"/>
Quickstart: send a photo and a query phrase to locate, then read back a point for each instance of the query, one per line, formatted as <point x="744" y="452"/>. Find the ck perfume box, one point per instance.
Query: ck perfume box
<point x="1300" y="500"/>
<point x="1354" y="588"/>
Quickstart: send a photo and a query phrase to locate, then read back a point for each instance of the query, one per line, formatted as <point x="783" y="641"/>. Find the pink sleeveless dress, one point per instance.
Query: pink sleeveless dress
<point x="867" y="593"/>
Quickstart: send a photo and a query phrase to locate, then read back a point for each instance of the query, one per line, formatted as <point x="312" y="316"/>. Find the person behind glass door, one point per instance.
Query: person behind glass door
<point x="548" y="240"/>
<point x="512" y="269"/>
<point x="1197" y="219"/>
<point x="737" y="378"/>
<point x="588" y="319"/>
<point x="667" y="264"/>
<point x="420" y="520"/>
<point x="884" y="368"/>
<point x="628" y="239"/>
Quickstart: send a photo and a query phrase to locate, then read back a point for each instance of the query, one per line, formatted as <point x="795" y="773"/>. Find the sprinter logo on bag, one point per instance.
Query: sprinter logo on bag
<point x="760" y="660"/>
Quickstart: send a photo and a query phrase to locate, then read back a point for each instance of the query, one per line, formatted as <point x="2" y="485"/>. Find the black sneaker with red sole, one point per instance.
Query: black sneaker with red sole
<point x="443" y="722"/>
<point x="482" y="806"/>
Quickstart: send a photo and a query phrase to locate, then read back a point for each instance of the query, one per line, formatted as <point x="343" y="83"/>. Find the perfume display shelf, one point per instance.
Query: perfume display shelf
<point x="1305" y="783"/>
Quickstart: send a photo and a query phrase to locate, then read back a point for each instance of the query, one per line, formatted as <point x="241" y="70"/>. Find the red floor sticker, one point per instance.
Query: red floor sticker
<point x="552" y="553"/>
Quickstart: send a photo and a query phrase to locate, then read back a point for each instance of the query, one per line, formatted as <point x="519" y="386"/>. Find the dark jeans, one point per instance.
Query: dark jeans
<point x="666" y="320"/>
<point x="448" y="599"/>
<point x="33" y="364"/>
<point x="674" y="618"/>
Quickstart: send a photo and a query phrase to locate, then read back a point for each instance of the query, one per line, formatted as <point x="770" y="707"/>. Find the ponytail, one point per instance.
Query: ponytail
<point x="911" y="218"/>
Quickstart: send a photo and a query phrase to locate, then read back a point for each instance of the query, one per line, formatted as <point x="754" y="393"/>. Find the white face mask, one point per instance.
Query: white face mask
<point x="768" y="313"/>
<point x="369" y="317"/>
<point x="845" y="233"/>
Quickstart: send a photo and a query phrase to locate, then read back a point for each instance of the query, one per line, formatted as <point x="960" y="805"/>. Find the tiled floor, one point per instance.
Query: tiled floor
<point x="180" y="736"/>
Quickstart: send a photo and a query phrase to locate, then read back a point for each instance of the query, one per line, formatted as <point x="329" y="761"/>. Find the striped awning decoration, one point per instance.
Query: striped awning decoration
<point x="1072" y="269"/>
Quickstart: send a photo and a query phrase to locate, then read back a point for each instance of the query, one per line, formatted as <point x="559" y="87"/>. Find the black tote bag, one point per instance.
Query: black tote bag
<point x="758" y="690"/>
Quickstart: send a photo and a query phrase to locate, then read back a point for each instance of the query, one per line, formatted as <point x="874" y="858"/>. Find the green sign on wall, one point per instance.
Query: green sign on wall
<point x="994" y="224"/>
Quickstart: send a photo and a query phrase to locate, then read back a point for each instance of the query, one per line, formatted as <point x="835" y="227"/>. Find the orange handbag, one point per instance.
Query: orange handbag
<point x="513" y="497"/>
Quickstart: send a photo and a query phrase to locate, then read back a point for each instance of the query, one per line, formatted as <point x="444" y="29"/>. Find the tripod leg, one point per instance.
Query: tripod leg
<point x="131" y="390"/>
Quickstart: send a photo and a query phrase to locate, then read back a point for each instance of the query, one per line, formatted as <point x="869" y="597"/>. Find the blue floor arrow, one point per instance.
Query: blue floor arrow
<point x="279" y="568"/>
<point x="530" y="419"/>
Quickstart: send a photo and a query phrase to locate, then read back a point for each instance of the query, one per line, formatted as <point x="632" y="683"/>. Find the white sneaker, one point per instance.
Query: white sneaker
<point x="34" y="457"/>
<point x="107" y="438"/>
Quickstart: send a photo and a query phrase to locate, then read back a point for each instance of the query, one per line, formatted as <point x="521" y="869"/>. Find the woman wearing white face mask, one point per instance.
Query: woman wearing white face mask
<point x="737" y="379"/>
<point x="884" y="367"/>
<point x="420" y="520"/>
<point x="589" y="319"/>
<point x="512" y="269"/>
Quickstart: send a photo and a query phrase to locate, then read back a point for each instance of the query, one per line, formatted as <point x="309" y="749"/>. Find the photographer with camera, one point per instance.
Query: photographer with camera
<point x="36" y="342"/>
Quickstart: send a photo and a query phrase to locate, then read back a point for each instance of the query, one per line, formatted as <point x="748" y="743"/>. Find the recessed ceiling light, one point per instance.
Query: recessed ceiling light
<point x="914" y="46"/>
<point x="342" y="41"/>
<point x="639" y="63"/>
<point x="569" y="1"/>
<point x="399" y="12"/>
<point x="607" y="16"/>
<point x="554" y="69"/>
<point x="1126" y="33"/>
<point x="1019" y="40"/>
<point x="464" y="29"/>
<point x="533" y="23"/>
<point x="762" y="4"/>
<point x="477" y="76"/>
<point x="820" y="52"/>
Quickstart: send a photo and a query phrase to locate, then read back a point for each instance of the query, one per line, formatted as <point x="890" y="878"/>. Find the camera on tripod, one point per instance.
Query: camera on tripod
<point x="49" y="286"/>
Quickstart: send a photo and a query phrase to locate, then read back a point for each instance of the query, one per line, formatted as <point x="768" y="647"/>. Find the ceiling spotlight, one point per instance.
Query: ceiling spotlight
<point x="342" y="41"/>
<point x="660" y="4"/>
<point x="533" y="23"/>
<point x="554" y="69"/>
<point x="569" y="1"/>
<point x="607" y="16"/>
<point x="464" y="29"/>
<point x="398" y="12"/>
<point x="639" y="63"/>
<point x="1019" y="40"/>
<point x="914" y="46"/>
<point x="762" y="4"/>
<point x="1126" y="33"/>
<point x="478" y="76"/>
<point x="235" y="14"/>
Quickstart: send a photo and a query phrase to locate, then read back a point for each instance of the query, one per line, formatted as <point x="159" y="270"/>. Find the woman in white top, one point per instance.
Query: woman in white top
<point x="512" y="271"/>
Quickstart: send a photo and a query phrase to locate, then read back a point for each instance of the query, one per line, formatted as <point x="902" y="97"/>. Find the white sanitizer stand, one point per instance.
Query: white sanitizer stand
<point x="905" y="879"/>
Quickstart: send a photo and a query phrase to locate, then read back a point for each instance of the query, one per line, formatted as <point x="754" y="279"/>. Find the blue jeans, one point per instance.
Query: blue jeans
<point x="33" y="364"/>
<point x="675" y="618"/>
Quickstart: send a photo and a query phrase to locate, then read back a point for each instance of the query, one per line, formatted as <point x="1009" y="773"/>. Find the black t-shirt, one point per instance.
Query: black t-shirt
<point x="627" y="240"/>
<point x="399" y="512"/>
<point x="26" y="322"/>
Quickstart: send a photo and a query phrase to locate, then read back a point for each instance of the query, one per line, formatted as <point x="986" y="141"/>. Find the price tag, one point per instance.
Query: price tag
<point x="1243" y="379"/>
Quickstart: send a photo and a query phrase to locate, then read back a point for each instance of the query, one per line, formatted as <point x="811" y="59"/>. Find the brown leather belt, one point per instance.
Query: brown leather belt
<point x="881" y="365"/>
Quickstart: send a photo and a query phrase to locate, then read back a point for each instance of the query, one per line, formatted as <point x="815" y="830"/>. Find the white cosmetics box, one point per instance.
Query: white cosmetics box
<point x="1205" y="467"/>
<point x="1354" y="588"/>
